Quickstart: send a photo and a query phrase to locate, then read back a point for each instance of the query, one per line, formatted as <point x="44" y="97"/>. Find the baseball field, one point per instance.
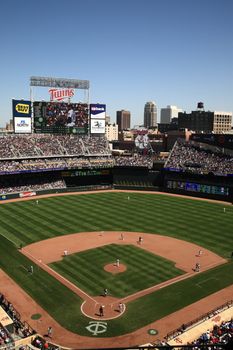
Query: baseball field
<point x="202" y="224"/>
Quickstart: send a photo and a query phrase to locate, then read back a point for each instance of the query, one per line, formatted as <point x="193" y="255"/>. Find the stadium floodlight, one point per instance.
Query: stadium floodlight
<point x="59" y="83"/>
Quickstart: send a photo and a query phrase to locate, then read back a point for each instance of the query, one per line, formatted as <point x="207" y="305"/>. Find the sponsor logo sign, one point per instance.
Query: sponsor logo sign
<point x="22" y="125"/>
<point x="97" y="126"/>
<point x="98" y="111"/>
<point x="21" y="108"/>
<point x="27" y="194"/>
<point x="61" y="94"/>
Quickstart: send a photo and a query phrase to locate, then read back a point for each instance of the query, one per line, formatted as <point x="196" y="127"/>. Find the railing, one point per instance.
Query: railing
<point x="198" y="320"/>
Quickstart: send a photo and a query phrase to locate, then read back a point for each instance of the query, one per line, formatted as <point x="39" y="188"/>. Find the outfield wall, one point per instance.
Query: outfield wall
<point x="54" y="191"/>
<point x="133" y="178"/>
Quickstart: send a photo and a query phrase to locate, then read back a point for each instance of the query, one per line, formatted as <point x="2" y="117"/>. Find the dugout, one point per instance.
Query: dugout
<point x="6" y="321"/>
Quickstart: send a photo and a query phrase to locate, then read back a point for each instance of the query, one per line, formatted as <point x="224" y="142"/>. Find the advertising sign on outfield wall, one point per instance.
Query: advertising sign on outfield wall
<point x="97" y="126"/>
<point x="27" y="194"/>
<point x="22" y="125"/>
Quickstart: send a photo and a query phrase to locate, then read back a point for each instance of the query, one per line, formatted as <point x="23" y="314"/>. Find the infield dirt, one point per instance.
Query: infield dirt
<point x="181" y="252"/>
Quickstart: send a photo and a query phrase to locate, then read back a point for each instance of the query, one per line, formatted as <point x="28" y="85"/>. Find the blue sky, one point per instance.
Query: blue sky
<point x="132" y="51"/>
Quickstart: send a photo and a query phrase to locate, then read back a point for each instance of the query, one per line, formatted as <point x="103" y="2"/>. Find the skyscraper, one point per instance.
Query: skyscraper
<point x="166" y="114"/>
<point x="123" y="120"/>
<point x="150" y="114"/>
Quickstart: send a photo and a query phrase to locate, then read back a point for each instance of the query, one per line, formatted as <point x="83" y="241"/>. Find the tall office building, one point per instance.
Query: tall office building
<point x="150" y="114"/>
<point x="166" y="114"/>
<point x="123" y="120"/>
<point x="208" y="122"/>
<point x="111" y="132"/>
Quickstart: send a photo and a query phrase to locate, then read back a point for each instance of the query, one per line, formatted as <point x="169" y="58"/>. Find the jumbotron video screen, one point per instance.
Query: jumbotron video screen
<point x="60" y="117"/>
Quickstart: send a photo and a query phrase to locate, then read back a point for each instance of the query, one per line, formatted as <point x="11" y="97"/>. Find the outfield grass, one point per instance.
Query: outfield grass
<point x="200" y="222"/>
<point x="192" y="220"/>
<point x="144" y="269"/>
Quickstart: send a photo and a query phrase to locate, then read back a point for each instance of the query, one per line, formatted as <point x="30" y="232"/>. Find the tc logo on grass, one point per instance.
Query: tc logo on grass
<point x="97" y="327"/>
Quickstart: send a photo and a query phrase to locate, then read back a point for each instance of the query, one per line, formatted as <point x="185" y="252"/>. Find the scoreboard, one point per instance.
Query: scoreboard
<point x="197" y="187"/>
<point x="60" y="117"/>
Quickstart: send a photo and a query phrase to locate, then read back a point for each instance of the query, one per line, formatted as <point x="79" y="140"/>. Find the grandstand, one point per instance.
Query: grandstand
<point x="199" y="159"/>
<point x="52" y="163"/>
<point x="56" y="157"/>
<point x="51" y="145"/>
<point x="50" y="156"/>
<point x="47" y="155"/>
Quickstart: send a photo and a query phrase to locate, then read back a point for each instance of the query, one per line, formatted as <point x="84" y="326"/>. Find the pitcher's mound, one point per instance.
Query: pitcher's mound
<point x="114" y="269"/>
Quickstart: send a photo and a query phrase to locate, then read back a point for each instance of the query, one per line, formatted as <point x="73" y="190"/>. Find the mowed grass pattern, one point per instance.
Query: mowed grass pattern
<point x="196" y="221"/>
<point x="144" y="269"/>
<point x="192" y="220"/>
<point x="64" y="305"/>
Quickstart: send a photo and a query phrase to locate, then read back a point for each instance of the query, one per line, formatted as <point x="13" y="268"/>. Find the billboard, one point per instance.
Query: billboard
<point x="98" y="111"/>
<point x="22" y="125"/>
<point x="60" y="117"/>
<point x="97" y="126"/>
<point x="98" y="116"/>
<point x="21" y="108"/>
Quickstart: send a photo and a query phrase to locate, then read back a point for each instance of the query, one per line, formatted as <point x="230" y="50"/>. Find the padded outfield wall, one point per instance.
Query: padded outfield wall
<point x="135" y="178"/>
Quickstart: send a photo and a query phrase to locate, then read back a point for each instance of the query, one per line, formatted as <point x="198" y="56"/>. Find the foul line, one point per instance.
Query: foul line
<point x="7" y="238"/>
<point x="199" y="284"/>
<point x="166" y="283"/>
<point x="60" y="278"/>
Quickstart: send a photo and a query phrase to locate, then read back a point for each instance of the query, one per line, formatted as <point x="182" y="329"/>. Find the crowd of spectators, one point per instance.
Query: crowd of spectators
<point x="22" y="165"/>
<point x="137" y="160"/>
<point x="41" y="343"/>
<point x="5" y="337"/>
<point x="20" y="329"/>
<point x="190" y="158"/>
<point x="42" y="153"/>
<point x="44" y="145"/>
<point x="32" y="184"/>
<point x="222" y="334"/>
<point x="95" y="145"/>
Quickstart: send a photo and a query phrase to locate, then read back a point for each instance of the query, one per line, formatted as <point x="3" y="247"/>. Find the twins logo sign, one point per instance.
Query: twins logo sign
<point x="61" y="94"/>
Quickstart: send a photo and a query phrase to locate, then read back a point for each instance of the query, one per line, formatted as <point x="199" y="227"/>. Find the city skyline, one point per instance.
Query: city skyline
<point x="173" y="52"/>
